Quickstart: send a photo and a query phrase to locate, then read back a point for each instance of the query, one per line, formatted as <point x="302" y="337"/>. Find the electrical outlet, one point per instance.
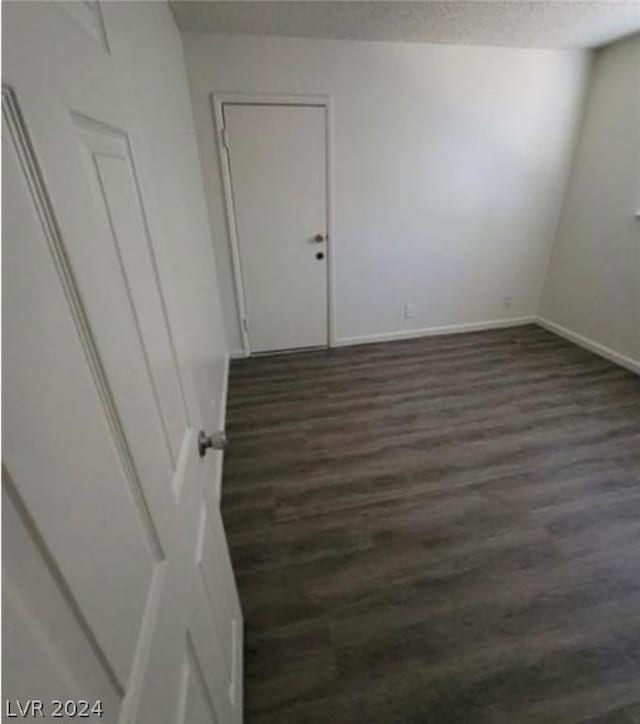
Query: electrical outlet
<point x="506" y="302"/>
<point x="409" y="310"/>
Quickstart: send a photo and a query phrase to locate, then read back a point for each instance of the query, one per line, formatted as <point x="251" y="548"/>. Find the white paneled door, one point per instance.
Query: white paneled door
<point x="118" y="594"/>
<point x="278" y="177"/>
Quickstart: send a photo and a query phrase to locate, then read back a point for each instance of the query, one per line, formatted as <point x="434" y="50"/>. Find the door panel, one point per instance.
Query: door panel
<point x="212" y="562"/>
<point x="105" y="488"/>
<point x="45" y="368"/>
<point x="277" y="161"/>
<point x="53" y="651"/>
<point x="112" y="179"/>
<point x="196" y="706"/>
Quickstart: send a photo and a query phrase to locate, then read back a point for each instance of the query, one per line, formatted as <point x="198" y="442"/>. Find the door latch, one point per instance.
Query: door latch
<point x="217" y="441"/>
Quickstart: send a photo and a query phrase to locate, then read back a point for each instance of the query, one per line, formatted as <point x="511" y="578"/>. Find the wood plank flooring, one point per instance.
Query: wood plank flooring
<point x="439" y="530"/>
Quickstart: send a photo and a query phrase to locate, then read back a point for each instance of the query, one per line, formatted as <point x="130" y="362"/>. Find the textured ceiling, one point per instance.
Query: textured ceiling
<point x="541" y="24"/>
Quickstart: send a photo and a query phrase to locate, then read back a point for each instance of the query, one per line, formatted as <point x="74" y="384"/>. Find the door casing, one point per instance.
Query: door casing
<point x="218" y="101"/>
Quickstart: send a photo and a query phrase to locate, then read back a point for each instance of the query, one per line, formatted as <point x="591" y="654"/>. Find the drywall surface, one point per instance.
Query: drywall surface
<point x="449" y="168"/>
<point x="149" y="46"/>
<point x="593" y="283"/>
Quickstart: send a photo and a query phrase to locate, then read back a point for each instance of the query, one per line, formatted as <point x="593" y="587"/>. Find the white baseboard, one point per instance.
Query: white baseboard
<point x="600" y="349"/>
<point x="431" y="331"/>
<point x="596" y="347"/>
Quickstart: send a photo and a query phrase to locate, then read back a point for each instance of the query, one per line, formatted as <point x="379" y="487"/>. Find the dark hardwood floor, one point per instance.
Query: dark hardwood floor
<point x="439" y="530"/>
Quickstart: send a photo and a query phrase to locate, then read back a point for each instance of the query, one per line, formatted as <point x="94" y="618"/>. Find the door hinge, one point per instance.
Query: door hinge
<point x="225" y="138"/>
<point x="245" y="325"/>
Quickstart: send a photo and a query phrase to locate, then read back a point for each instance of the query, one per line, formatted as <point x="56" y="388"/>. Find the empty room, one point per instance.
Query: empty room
<point x="321" y="357"/>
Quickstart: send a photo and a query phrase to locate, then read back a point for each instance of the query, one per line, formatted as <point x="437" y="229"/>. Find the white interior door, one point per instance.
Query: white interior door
<point x="117" y="584"/>
<point x="277" y="163"/>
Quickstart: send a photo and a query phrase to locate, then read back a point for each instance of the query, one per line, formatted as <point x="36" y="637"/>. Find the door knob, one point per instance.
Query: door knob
<point x="319" y="238"/>
<point x="218" y="441"/>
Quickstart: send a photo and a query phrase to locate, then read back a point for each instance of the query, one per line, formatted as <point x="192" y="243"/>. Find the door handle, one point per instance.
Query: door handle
<point x="217" y="441"/>
<point x="319" y="238"/>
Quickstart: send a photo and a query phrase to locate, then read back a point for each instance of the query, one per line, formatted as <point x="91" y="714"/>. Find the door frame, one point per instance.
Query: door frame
<point x="218" y="101"/>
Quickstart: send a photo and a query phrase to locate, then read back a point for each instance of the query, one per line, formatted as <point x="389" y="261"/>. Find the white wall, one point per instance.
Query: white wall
<point x="147" y="43"/>
<point x="450" y="163"/>
<point x="593" y="284"/>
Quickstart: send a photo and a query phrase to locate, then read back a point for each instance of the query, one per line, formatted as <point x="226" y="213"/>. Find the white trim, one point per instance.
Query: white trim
<point x="591" y="345"/>
<point x="331" y="246"/>
<point x="231" y="219"/>
<point x="237" y="353"/>
<point x="432" y="331"/>
<point x="224" y="391"/>
<point x="218" y="100"/>
<point x="222" y="421"/>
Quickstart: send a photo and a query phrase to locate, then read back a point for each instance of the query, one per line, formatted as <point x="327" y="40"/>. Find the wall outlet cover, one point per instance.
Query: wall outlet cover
<point x="409" y="311"/>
